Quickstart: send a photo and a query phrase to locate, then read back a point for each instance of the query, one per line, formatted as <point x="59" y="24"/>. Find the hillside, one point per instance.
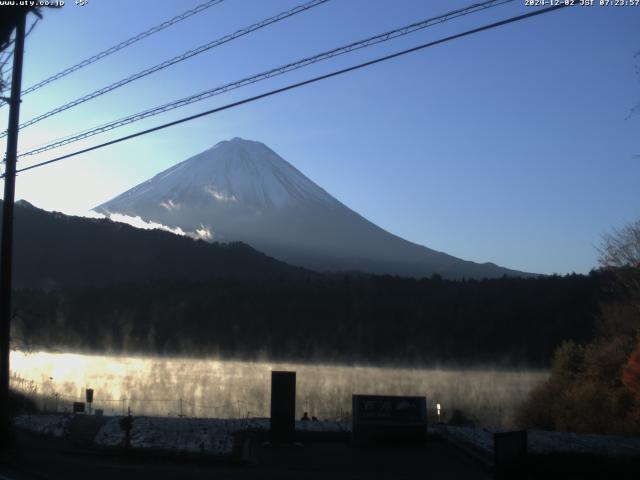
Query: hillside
<point x="54" y="250"/>
<point x="241" y="190"/>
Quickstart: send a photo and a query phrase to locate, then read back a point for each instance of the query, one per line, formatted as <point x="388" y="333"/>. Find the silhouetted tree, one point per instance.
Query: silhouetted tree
<point x="595" y="387"/>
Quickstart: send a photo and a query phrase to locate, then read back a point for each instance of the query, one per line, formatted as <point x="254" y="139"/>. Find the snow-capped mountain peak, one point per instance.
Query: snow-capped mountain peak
<point x="242" y="172"/>
<point x="242" y="190"/>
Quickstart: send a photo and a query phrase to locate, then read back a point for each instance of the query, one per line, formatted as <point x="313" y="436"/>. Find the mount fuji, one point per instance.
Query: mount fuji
<point x="241" y="190"/>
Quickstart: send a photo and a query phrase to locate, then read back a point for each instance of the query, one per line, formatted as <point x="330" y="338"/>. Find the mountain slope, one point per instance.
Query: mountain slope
<point x="241" y="190"/>
<point x="55" y="250"/>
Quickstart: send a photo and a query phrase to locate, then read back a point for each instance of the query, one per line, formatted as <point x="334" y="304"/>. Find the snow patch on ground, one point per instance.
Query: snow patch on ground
<point x="53" y="425"/>
<point x="263" y="424"/>
<point x="216" y="436"/>
<point x="210" y="436"/>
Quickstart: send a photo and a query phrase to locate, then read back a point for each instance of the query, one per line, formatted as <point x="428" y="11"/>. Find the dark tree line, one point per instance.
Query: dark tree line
<point x="152" y="291"/>
<point x="350" y="318"/>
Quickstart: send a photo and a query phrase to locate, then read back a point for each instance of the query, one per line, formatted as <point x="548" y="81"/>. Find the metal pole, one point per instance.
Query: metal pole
<point x="6" y="251"/>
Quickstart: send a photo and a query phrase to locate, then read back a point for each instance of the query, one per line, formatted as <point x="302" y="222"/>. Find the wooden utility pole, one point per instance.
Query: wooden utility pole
<point x="6" y="249"/>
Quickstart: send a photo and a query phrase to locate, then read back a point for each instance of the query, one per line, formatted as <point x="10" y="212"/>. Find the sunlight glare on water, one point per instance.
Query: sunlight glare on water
<point x="198" y="387"/>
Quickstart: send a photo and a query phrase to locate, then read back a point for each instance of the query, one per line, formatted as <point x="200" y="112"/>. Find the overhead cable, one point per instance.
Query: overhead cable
<point x="130" y="41"/>
<point x="299" y="84"/>
<point x="172" y="61"/>
<point x="304" y="62"/>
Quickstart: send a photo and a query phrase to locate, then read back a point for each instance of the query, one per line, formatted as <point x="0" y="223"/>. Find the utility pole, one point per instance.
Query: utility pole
<point x="6" y="249"/>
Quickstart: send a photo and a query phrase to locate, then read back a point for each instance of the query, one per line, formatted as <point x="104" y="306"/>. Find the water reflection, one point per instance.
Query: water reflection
<point x="199" y="387"/>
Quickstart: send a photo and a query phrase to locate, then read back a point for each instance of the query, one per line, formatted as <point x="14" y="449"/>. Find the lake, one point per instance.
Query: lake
<point x="202" y="387"/>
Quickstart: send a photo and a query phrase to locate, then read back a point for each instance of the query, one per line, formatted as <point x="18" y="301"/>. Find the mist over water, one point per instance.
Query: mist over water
<point x="200" y="387"/>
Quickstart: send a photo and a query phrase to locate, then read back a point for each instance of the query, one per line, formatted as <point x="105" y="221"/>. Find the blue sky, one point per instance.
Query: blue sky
<point x="513" y="146"/>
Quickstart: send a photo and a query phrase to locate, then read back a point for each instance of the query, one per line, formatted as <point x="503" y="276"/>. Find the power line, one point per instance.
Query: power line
<point x="300" y="84"/>
<point x="178" y="18"/>
<point x="172" y="61"/>
<point x="383" y="37"/>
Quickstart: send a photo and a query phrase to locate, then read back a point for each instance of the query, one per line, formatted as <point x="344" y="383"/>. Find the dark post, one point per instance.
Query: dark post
<point x="89" y="398"/>
<point x="126" y="424"/>
<point x="283" y="407"/>
<point x="6" y="252"/>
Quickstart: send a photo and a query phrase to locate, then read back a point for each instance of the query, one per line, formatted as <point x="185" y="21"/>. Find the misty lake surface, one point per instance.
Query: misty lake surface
<point x="200" y="387"/>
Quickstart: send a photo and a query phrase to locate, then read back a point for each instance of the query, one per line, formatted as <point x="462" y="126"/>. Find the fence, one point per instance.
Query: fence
<point x="49" y="400"/>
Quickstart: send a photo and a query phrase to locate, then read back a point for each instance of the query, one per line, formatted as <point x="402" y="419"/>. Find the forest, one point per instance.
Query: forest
<point x="594" y="386"/>
<point x="94" y="285"/>
<point x="344" y="318"/>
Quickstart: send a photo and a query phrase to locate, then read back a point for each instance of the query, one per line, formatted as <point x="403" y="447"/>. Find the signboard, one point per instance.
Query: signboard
<point x="389" y="418"/>
<point x="78" y="407"/>
<point x="283" y="406"/>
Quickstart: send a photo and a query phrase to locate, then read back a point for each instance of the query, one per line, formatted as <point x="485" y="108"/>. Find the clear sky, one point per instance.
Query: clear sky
<point x="514" y="146"/>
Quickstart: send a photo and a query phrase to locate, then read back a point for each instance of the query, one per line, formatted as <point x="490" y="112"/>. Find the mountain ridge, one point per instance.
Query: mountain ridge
<point x="241" y="190"/>
<point x="53" y="250"/>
